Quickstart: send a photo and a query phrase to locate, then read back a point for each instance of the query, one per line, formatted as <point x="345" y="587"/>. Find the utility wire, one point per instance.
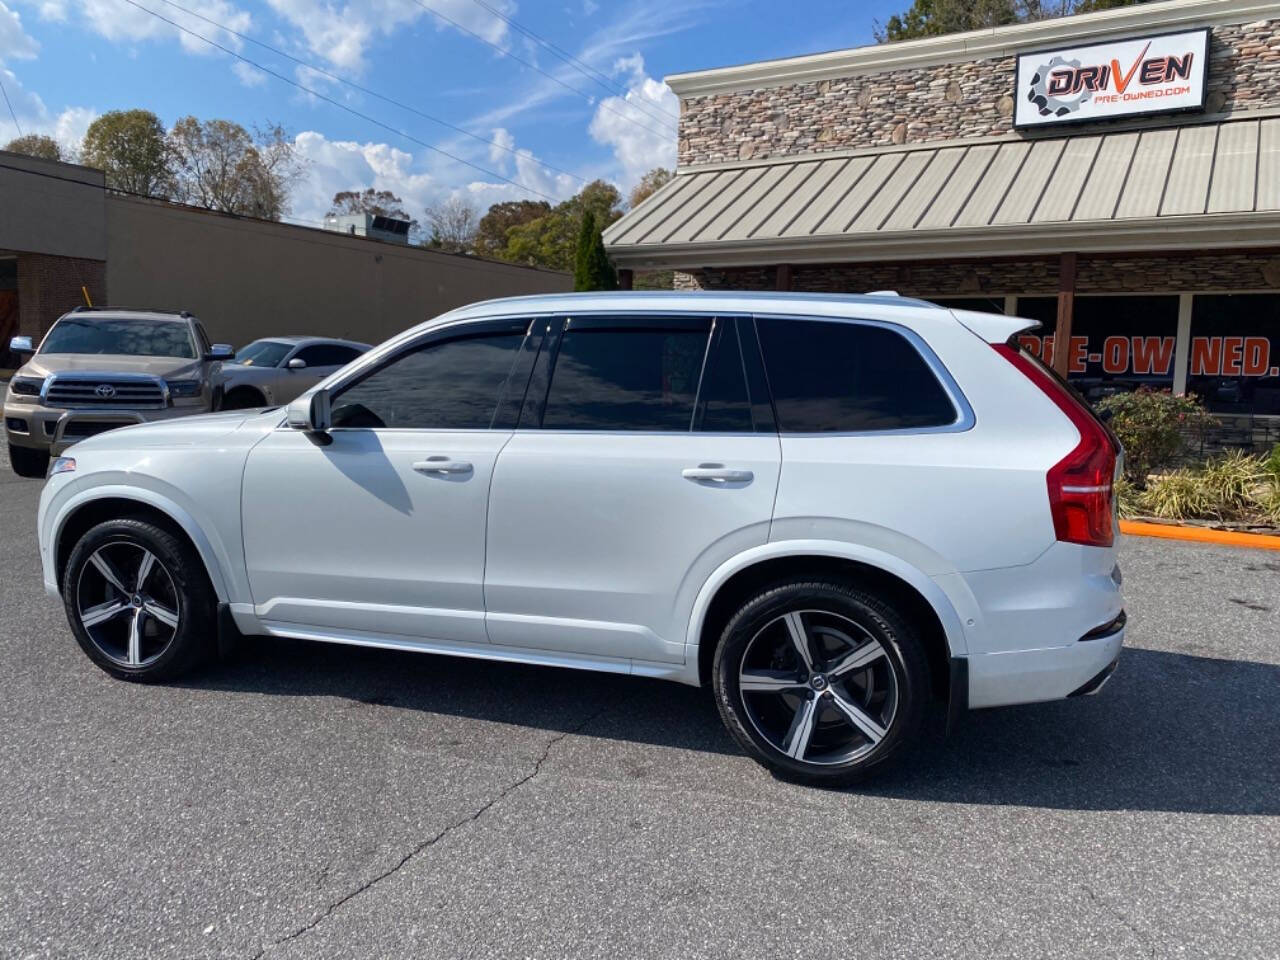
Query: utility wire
<point x="365" y="90"/>
<point x="342" y="106"/>
<point x="588" y="71"/>
<point x="550" y="76"/>
<point x="10" y="106"/>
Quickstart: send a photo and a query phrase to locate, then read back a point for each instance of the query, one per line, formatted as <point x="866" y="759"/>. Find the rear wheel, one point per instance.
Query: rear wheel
<point x="821" y="682"/>
<point x="27" y="462"/>
<point x="139" y="601"/>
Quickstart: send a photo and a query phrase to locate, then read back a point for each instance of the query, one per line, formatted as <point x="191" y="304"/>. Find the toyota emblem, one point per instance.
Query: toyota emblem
<point x="105" y="390"/>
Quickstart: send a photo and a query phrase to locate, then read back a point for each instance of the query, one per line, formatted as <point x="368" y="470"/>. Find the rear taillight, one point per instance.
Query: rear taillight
<point x="1080" y="484"/>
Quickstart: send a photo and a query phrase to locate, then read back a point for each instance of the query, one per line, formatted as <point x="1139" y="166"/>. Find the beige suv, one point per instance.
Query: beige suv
<point x="98" y="369"/>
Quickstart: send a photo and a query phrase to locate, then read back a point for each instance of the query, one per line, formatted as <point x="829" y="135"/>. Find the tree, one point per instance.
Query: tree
<point x="36" y="145"/>
<point x="379" y="203"/>
<point x="491" y="233"/>
<point x="220" y="166"/>
<point x="552" y="240"/>
<point x="931" y="18"/>
<point x="597" y="272"/>
<point x="649" y="184"/>
<point x="129" y="147"/>
<point x="453" y="225"/>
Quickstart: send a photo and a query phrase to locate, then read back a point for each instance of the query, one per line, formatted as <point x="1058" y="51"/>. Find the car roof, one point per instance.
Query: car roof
<point x="295" y="340"/>
<point x="103" y="313"/>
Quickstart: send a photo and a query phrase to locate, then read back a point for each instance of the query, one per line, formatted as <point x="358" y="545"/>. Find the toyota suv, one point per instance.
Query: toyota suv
<point x="833" y="510"/>
<point x="98" y="369"/>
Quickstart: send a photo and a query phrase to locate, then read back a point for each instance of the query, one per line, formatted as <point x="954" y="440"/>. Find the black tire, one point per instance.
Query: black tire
<point x="243" y="398"/>
<point x="178" y="584"/>
<point x="29" y="463"/>
<point x="892" y="689"/>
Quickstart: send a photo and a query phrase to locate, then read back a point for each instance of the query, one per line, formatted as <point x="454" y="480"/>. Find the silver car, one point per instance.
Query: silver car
<point x="275" y="370"/>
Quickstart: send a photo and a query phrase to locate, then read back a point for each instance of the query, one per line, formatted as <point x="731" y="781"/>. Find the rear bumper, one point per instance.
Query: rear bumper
<point x="1046" y="673"/>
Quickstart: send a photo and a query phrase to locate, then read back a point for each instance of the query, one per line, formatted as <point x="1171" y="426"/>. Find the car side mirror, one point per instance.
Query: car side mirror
<point x="221" y="351"/>
<point x="21" y="345"/>
<point x="310" y="412"/>
<point x="297" y="363"/>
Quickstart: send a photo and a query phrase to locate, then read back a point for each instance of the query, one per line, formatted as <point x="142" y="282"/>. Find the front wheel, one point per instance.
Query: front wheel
<point x="139" y="601"/>
<point x="821" y="682"/>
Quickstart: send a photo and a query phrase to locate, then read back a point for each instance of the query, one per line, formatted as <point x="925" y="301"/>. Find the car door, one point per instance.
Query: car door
<point x="378" y="526"/>
<point x="645" y="456"/>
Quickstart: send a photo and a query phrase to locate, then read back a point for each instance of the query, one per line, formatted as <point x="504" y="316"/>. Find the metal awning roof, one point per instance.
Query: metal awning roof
<point x="1214" y="184"/>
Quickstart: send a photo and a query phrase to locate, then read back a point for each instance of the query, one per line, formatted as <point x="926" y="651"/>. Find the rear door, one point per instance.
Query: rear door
<point x="645" y="456"/>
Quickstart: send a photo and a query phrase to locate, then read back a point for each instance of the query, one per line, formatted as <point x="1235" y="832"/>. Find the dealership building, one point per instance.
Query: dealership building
<point x="1115" y="176"/>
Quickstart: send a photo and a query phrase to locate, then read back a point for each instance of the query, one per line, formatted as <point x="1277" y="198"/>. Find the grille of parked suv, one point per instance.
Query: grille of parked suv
<point x="104" y="392"/>
<point x="91" y="428"/>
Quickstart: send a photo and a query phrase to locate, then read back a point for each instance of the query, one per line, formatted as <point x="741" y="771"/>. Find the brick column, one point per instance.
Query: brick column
<point x="50" y="286"/>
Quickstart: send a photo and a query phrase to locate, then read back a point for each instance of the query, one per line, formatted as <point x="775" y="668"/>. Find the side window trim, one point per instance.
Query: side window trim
<point x="964" y="412"/>
<point x="460" y="331"/>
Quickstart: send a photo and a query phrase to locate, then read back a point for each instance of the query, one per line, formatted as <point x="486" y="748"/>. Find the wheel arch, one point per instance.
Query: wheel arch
<point x="93" y="507"/>
<point x="910" y="589"/>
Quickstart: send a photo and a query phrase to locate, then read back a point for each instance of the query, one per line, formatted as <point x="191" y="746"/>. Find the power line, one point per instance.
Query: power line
<point x="10" y="106"/>
<point x="550" y="76"/>
<point x="365" y="90"/>
<point x="588" y="71"/>
<point x="342" y="106"/>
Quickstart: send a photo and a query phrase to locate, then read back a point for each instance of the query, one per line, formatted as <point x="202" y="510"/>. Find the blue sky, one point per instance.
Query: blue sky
<point x="63" y="62"/>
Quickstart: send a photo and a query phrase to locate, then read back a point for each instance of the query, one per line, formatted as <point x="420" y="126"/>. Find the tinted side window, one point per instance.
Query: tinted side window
<point x="829" y="376"/>
<point x="450" y="385"/>
<point x="628" y="377"/>
<point x="326" y="355"/>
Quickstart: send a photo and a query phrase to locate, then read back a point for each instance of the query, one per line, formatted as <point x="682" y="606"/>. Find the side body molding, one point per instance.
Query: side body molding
<point x="952" y="625"/>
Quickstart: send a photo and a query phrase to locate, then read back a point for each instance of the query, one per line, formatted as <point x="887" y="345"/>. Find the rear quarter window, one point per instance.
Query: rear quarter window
<point x="843" y="377"/>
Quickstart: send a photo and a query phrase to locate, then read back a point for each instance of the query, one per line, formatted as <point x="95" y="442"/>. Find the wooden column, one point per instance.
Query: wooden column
<point x="625" y="279"/>
<point x="1066" y="310"/>
<point x="784" y="276"/>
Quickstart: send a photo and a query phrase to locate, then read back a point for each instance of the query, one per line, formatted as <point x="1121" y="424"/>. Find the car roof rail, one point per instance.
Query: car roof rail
<point x="81" y="308"/>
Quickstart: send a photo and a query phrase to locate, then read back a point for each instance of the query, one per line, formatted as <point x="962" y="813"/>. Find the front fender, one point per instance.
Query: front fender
<point x="64" y="503"/>
<point x="952" y="624"/>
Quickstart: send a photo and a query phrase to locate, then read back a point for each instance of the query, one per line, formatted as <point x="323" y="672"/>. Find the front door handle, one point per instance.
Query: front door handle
<point x="716" y="473"/>
<point x="442" y="466"/>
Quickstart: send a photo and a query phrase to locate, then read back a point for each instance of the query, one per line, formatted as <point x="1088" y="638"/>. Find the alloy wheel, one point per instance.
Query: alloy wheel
<point x="818" y="687"/>
<point x="127" y="603"/>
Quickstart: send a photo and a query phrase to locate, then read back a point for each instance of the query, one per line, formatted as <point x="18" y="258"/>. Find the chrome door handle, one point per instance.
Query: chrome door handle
<point x="715" y="473"/>
<point x="442" y="466"/>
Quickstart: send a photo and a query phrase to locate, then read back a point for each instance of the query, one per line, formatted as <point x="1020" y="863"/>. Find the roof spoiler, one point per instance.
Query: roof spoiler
<point x="994" y="327"/>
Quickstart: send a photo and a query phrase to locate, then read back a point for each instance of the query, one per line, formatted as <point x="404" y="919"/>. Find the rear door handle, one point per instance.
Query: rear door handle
<point x="442" y="466"/>
<point x="716" y="473"/>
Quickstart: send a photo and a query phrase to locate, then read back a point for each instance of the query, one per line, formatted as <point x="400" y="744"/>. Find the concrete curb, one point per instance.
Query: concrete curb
<point x="1226" y="538"/>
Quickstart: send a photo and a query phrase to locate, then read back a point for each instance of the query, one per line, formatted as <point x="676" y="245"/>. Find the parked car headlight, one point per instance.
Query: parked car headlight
<point x="62" y="465"/>
<point x="183" y="389"/>
<point x="26" y="386"/>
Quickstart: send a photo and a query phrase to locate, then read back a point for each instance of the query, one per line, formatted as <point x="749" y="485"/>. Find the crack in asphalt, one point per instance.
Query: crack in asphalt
<point x="1141" y="936"/>
<point x="432" y="841"/>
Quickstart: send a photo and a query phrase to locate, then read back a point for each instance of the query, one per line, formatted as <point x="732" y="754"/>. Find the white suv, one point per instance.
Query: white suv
<point x="832" y="509"/>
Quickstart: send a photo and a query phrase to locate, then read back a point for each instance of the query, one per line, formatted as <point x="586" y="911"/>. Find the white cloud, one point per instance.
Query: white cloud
<point x="343" y="34"/>
<point x="15" y="42"/>
<point x="247" y="75"/>
<point x="121" y="22"/>
<point x="500" y="151"/>
<point x="70" y="125"/>
<point x="67" y="128"/>
<point x="589" y="7"/>
<point x="629" y="125"/>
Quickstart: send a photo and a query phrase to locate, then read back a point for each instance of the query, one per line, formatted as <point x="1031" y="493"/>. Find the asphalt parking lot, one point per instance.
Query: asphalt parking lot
<point x="313" y="801"/>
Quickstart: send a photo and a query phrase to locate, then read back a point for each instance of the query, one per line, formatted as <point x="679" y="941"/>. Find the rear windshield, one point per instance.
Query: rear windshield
<point x="130" y="338"/>
<point x="262" y="353"/>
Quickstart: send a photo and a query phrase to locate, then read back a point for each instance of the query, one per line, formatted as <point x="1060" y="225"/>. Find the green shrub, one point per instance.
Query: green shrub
<point x="1180" y="495"/>
<point x="1152" y="425"/>
<point x="1272" y="463"/>
<point x="1234" y="483"/>
<point x="1128" y="498"/>
<point x="1233" y="487"/>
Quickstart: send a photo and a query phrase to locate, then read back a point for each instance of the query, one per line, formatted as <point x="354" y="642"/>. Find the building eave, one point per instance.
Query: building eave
<point x="1154" y="235"/>
<point x="1165" y="16"/>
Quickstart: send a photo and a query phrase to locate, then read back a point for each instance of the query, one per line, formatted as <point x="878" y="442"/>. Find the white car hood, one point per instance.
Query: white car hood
<point x="180" y="432"/>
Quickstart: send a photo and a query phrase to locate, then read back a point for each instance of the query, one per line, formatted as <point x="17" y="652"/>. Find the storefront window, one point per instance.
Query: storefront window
<point x="1235" y="352"/>
<point x="1117" y="343"/>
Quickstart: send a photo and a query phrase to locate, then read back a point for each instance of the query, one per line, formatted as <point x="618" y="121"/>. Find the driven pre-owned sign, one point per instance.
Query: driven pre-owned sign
<point x="1119" y="78"/>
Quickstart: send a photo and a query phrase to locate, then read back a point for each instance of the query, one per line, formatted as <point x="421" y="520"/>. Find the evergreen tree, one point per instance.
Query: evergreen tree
<point x="581" y="279"/>
<point x="596" y="272"/>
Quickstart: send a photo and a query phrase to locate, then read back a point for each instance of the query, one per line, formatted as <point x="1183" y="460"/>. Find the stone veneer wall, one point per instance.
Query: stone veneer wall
<point x="918" y="105"/>
<point x="1176" y="273"/>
